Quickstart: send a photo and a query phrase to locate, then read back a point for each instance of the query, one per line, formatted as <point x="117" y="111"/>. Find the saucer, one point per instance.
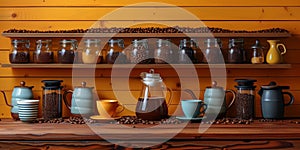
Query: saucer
<point x="101" y="118"/>
<point x="189" y="119"/>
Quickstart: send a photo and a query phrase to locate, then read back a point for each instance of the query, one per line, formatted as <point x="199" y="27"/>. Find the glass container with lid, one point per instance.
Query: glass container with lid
<point x="236" y="52"/>
<point x="52" y="99"/>
<point x="213" y="53"/>
<point x="140" y="53"/>
<point x="66" y="53"/>
<point x="115" y="52"/>
<point x="43" y="52"/>
<point x="245" y="100"/>
<point x="151" y="104"/>
<point x="163" y="53"/>
<point x="187" y="51"/>
<point x="258" y="56"/>
<point x="92" y="52"/>
<point x="19" y="51"/>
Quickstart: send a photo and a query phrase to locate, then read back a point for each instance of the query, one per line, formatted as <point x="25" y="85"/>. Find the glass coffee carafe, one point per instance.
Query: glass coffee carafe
<point x="151" y="104"/>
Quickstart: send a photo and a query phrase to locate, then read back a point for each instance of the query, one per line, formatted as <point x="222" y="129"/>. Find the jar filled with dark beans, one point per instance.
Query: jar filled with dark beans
<point x="66" y="53"/>
<point x="244" y="99"/>
<point x="43" y="52"/>
<point x="236" y="53"/>
<point x="115" y="52"/>
<point x="140" y="53"/>
<point x="52" y="99"/>
<point x="19" y="51"/>
<point x="163" y="53"/>
<point x="213" y="53"/>
<point x="187" y="52"/>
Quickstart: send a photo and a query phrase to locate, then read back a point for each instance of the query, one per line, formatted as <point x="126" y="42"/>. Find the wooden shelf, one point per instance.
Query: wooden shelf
<point x="141" y="66"/>
<point x="108" y="35"/>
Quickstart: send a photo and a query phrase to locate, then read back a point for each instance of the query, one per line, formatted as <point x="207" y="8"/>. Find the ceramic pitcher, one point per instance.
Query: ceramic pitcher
<point x="274" y="55"/>
<point x="82" y="100"/>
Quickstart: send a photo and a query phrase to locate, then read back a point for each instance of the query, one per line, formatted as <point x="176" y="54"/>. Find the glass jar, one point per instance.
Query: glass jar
<point x="139" y="53"/>
<point x="245" y="100"/>
<point x="52" y="99"/>
<point x="66" y="53"/>
<point x="92" y="52"/>
<point x="163" y="53"/>
<point x="186" y="52"/>
<point x="43" y="52"/>
<point x="213" y="53"/>
<point x="258" y="56"/>
<point x="115" y="52"/>
<point x="19" y="51"/>
<point x="236" y="52"/>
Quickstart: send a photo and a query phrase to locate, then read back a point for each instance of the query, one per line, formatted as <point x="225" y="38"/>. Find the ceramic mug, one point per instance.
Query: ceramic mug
<point x="108" y="108"/>
<point x="193" y="108"/>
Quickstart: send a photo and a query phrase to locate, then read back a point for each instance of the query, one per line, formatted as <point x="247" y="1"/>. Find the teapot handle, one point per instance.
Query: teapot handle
<point x="6" y="99"/>
<point x="171" y="96"/>
<point x="291" y="98"/>
<point x="232" y="100"/>
<point x="65" y="98"/>
<point x="284" y="49"/>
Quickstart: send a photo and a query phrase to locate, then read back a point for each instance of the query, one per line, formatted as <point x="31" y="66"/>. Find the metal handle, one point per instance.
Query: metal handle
<point x="6" y="99"/>
<point x="65" y="98"/>
<point x="232" y="100"/>
<point x="191" y="93"/>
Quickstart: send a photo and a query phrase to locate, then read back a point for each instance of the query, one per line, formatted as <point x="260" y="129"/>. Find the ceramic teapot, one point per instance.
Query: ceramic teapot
<point x="18" y="93"/>
<point x="272" y="100"/>
<point x="151" y="104"/>
<point x="274" y="55"/>
<point x="82" y="100"/>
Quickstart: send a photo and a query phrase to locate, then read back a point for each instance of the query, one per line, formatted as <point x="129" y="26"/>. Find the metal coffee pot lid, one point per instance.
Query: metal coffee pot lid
<point x="22" y="85"/>
<point x="83" y="85"/>
<point x="214" y="85"/>
<point x="150" y="78"/>
<point x="273" y="85"/>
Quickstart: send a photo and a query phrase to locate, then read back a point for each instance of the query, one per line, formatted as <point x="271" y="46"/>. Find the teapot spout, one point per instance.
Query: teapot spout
<point x="191" y="93"/>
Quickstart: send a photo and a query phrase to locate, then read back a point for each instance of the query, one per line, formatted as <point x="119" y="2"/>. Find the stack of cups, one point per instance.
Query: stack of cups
<point x="28" y="109"/>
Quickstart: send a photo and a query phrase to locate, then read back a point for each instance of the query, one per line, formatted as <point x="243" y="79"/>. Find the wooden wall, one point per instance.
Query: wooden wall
<point x="230" y="14"/>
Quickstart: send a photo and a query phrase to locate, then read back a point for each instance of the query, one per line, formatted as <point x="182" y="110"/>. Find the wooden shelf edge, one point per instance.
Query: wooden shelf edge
<point x="108" y="35"/>
<point x="147" y="66"/>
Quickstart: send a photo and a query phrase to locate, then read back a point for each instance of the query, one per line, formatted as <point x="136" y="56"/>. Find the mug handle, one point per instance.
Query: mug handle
<point x="291" y="98"/>
<point x="233" y="98"/>
<point x="6" y="102"/>
<point x="117" y="112"/>
<point x="204" y="108"/>
<point x="65" y="98"/>
<point x="284" y="49"/>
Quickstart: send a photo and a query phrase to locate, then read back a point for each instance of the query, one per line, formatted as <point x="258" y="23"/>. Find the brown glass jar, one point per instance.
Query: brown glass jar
<point x="66" y="53"/>
<point x="236" y="54"/>
<point x="43" y="52"/>
<point x="115" y="52"/>
<point x="19" y="51"/>
<point x="186" y="53"/>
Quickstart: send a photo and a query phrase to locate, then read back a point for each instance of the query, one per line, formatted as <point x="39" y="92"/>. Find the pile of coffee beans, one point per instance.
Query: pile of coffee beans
<point x="229" y="121"/>
<point x="136" y="120"/>
<point x="175" y="29"/>
<point x="70" y="120"/>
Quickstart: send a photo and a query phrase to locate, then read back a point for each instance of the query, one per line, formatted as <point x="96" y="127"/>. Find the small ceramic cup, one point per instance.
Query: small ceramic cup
<point x="193" y="108"/>
<point x="108" y="108"/>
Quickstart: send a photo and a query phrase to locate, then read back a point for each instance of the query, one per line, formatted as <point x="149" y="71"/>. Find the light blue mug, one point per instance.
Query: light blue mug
<point x="193" y="108"/>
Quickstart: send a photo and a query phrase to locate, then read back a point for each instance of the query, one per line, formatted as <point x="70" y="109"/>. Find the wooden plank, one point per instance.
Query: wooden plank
<point x="30" y="3"/>
<point x="151" y="14"/>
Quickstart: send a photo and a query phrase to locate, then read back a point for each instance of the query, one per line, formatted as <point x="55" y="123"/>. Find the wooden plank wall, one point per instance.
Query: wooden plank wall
<point x="230" y="14"/>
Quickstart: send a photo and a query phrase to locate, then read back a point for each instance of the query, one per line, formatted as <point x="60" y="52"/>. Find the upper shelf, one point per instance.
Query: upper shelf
<point x="108" y="35"/>
<point x="148" y="66"/>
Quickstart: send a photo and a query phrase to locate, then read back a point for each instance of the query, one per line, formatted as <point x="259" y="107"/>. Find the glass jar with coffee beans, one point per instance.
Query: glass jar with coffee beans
<point x="52" y="99"/>
<point x="66" y="53"/>
<point x="139" y="53"/>
<point x="258" y="56"/>
<point x="92" y="53"/>
<point x="244" y="99"/>
<point x="19" y="52"/>
<point x="213" y="53"/>
<point x="115" y="52"/>
<point x="187" y="53"/>
<point x="163" y="53"/>
<point x="43" y="52"/>
<point x="236" y="52"/>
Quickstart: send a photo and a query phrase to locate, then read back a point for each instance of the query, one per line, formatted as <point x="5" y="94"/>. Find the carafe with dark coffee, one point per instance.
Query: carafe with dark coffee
<point x="151" y="104"/>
